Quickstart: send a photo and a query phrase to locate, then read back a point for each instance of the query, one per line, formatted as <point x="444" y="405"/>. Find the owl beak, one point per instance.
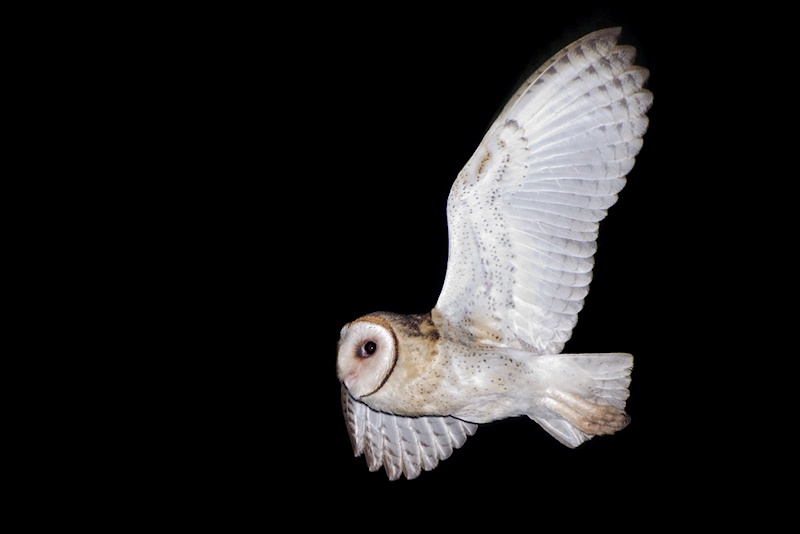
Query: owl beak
<point x="350" y="378"/>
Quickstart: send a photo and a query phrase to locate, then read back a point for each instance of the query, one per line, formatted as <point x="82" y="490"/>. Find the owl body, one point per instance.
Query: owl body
<point x="431" y="370"/>
<point x="434" y="374"/>
<point x="523" y="219"/>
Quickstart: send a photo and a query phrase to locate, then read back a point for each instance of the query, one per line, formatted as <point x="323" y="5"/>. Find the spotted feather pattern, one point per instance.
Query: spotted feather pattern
<point x="524" y="212"/>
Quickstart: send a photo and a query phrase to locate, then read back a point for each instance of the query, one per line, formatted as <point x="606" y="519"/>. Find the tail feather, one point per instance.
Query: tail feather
<point x="585" y="397"/>
<point x="563" y="431"/>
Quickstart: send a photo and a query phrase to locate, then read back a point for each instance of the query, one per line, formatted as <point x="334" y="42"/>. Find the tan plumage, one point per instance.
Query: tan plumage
<point x="523" y="217"/>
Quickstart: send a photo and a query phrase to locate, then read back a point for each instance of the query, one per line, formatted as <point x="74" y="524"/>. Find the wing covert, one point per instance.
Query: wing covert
<point x="524" y="212"/>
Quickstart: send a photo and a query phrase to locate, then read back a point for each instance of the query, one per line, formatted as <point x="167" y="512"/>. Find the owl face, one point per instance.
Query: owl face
<point x="367" y="355"/>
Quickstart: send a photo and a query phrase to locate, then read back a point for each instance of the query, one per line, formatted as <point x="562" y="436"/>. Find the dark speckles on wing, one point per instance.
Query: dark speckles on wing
<point x="484" y="161"/>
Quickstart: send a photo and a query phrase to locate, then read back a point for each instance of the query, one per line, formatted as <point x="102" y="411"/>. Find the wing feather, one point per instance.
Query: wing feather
<point x="524" y="212"/>
<point x="402" y="445"/>
<point x="374" y="446"/>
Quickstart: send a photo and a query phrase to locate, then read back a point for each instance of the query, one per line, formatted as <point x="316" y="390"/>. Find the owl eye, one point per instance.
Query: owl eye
<point x="368" y="349"/>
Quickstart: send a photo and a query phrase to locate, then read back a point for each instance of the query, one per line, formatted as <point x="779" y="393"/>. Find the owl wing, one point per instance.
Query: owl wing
<point x="402" y="445"/>
<point x="523" y="213"/>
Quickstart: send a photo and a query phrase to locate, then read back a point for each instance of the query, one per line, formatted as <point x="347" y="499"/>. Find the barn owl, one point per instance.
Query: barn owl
<point x="522" y="218"/>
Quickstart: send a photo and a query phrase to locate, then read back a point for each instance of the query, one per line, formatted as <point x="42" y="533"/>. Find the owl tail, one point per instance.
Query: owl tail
<point x="585" y="395"/>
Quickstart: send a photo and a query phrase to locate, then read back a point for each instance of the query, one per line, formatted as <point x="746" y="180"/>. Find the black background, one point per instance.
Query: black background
<point x="322" y="146"/>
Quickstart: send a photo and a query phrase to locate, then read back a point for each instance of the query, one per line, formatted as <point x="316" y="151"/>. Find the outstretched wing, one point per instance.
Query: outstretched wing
<point x="402" y="445"/>
<point x="523" y="214"/>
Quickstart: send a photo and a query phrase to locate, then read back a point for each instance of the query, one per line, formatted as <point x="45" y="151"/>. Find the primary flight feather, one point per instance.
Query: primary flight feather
<point x="523" y="216"/>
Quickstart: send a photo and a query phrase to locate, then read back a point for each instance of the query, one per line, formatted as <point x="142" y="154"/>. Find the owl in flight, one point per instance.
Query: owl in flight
<point x="523" y="218"/>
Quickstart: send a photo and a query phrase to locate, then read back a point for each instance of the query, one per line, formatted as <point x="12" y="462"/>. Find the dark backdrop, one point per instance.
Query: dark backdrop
<point x="327" y="141"/>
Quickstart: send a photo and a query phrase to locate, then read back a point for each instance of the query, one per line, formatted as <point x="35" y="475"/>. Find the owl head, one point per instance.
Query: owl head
<point x="367" y="355"/>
